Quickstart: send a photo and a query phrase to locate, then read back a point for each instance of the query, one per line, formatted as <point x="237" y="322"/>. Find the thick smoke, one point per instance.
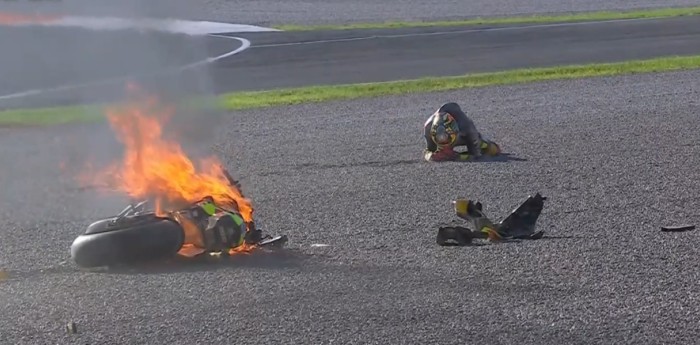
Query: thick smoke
<point x="39" y="57"/>
<point x="122" y="8"/>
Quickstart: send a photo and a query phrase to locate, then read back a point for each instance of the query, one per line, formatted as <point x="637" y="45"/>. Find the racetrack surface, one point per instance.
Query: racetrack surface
<point x="47" y="57"/>
<point x="617" y="158"/>
<point x="270" y="12"/>
<point x="278" y="60"/>
<point x="286" y="59"/>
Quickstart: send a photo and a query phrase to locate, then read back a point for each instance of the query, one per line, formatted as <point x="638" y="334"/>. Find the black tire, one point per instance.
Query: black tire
<point x="149" y="238"/>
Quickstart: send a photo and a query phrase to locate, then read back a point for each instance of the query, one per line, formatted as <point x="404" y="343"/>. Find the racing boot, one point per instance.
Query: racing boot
<point x="490" y="148"/>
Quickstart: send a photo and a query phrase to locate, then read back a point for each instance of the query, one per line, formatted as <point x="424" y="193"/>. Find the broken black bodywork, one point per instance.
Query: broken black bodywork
<point x="519" y="224"/>
<point x="677" y="228"/>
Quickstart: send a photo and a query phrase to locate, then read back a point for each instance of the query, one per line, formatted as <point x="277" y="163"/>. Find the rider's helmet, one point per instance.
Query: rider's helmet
<point x="444" y="129"/>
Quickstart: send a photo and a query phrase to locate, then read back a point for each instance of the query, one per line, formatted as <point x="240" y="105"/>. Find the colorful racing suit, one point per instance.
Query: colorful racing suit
<point x="449" y="127"/>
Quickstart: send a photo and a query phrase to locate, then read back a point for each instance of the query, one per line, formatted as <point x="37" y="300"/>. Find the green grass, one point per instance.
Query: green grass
<point x="50" y="116"/>
<point x="315" y="94"/>
<point x="533" y="19"/>
<point x="257" y="99"/>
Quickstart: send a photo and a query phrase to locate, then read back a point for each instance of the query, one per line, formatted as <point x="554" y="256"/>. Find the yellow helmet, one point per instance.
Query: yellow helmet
<point x="444" y="129"/>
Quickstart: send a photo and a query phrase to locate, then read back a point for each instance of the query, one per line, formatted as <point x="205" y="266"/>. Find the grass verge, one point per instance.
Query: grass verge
<point x="532" y="19"/>
<point x="315" y="94"/>
<point x="50" y="116"/>
<point x="257" y="99"/>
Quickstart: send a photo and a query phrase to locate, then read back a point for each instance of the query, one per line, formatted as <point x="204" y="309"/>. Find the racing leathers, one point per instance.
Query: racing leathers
<point x="449" y="127"/>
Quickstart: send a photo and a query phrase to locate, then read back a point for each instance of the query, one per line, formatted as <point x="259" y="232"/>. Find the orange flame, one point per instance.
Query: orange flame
<point x="156" y="168"/>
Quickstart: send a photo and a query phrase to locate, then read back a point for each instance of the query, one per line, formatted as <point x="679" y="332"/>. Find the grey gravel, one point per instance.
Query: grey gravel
<point x="617" y="158"/>
<point x="267" y="12"/>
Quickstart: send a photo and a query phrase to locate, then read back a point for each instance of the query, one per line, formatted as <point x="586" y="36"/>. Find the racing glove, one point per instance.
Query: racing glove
<point x="441" y="155"/>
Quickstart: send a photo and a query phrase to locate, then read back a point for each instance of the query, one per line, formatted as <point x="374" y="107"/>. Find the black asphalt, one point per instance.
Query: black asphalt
<point x="278" y="60"/>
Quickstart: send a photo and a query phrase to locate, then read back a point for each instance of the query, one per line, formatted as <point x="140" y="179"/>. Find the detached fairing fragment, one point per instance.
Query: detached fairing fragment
<point x="677" y="228"/>
<point x="519" y="224"/>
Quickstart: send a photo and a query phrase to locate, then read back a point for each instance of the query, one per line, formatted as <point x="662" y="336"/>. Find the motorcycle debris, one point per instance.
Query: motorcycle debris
<point x="71" y="328"/>
<point x="536" y="236"/>
<point x="677" y="228"/>
<point x="520" y="224"/>
<point x="277" y="241"/>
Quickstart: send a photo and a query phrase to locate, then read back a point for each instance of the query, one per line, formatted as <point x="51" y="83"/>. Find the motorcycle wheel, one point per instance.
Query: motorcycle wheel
<point x="144" y="238"/>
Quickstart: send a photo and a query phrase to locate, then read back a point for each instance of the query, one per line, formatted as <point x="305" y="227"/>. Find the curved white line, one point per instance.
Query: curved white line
<point x="451" y="32"/>
<point x="245" y="44"/>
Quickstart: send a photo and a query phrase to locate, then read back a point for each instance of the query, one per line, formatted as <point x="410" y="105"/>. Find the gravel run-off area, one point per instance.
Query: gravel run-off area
<point x="617" y="158"/>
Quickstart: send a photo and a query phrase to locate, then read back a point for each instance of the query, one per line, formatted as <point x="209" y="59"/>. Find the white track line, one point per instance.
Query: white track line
<point x="245" y="44"/>
<point x="455" y="32"/>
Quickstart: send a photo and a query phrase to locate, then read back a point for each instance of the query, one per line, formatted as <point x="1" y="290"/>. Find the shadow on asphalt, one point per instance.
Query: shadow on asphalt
<point x="501" y="158"/>
<point x="546" y="237"/>
<point x="543" y="238"/>
<point x="504" y="157"/>
<point x="278" y="259"/>
<point x="509" y="241"/>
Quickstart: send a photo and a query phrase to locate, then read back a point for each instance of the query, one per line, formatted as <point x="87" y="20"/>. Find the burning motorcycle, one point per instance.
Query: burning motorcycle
<point x="180" y="207"/>
<point x="143" y="233"/>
